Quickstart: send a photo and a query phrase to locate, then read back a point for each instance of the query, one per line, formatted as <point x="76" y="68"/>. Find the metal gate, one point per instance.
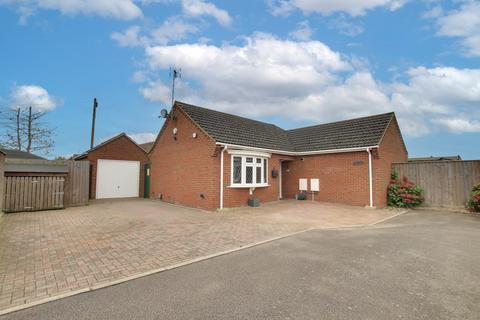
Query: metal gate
<point x="32" y="193"/>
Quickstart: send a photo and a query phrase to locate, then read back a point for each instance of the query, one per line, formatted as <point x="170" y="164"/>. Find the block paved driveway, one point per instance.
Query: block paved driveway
<point x="421" y="265"/>
<point x="51" y="253"/>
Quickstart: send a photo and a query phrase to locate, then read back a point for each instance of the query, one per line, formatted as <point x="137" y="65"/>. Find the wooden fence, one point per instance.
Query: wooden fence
<point x="445" y="183"/>
<point x="77" y="183"/>
<point x="30" y="193"/>
<point x="40" y="185"/>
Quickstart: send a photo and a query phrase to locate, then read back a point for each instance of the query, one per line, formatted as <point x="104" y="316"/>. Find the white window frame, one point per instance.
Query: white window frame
<point x="263" y="165"/>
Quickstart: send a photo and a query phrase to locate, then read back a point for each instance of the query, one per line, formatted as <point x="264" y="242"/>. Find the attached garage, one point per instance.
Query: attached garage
<point x="117" y="168"/>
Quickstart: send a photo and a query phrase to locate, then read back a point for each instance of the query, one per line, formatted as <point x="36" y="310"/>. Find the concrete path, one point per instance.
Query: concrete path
<point x="421" y="265"/>
<point x="50" y="254"/>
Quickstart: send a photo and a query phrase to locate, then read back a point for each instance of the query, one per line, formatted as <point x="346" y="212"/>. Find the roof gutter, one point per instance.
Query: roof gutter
<point x="292" y="153"/>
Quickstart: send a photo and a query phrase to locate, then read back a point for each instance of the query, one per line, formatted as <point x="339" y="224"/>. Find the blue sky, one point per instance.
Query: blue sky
<point x="289" y="62"/>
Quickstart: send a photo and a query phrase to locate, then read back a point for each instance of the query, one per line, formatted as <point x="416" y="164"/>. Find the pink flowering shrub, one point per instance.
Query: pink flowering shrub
<point x="474" y="203"/>
<point x="403" y="193"/>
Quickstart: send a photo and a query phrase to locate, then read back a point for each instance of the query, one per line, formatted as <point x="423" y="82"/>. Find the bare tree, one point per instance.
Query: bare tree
<point x="24" y="129"/>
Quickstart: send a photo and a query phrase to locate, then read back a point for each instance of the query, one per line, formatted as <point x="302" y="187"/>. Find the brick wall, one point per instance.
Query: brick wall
<point x="391" y="150"/>
<point x="2" y="181"/>
<point x="119" y="149"/>
<point x="185" y="170"/>
<point x="343" y="177"/>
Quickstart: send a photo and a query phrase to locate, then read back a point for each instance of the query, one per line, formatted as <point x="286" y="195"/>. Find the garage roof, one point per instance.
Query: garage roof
<point x="123" y="134"/>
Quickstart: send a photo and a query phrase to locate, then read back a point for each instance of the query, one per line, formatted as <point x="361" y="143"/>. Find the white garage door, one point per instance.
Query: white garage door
<point x="117" y="179"/>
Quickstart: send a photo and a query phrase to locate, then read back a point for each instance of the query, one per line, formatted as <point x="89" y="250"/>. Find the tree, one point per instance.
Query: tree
<point x="24" y="129"/>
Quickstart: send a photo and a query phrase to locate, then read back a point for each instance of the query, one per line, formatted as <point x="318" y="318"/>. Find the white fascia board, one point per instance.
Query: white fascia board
<point x="291" y="153"/>
<point x="244" y="152"/>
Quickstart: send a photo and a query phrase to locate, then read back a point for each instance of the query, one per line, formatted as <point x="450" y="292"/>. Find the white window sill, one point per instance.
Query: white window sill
<point x="248" y="186"/>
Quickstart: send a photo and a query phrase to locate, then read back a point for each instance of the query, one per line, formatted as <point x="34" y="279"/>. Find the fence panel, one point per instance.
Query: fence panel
<point x="32" y="193"/>
<point x="77" y="183"/>
<point x="445" y="183"/>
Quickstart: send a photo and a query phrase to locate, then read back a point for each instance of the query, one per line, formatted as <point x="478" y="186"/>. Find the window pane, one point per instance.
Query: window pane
<point x="250" y="160"/>
<point x="249" y="172"/>
<point x="237" y="170"/>
<point x="264" y="170"/>
<point x="259" y="174"/>
<point x="259" y="160"/>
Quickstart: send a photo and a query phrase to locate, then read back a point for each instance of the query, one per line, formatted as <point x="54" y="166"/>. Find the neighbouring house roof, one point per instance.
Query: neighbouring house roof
<point x="35" y="165"/>
<point x="147" y="146"/>
<point x="432" y="158"/>
<point x="123" y="134"/>
<point x="231" y="129"/>
<point x="17" y="154"/>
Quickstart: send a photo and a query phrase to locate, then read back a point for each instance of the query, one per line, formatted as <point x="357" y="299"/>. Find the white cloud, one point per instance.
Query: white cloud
<point x="129" y="38"/>
<point x="303" y="31"/>
<point x="171" y="30"/>
<point x="459" y="124"/>
<point x="327" y="7"/>
<point x="345" y="26"/>
<point x="462" y="23"/>
<point x="143" y="137"/>
<point x="119" y="9"/>
<point x="307" y="81"/>
<point x="195" y="8"/>
<point x="156" y="91"/>
<point x="139" y="76"/>
<point x="35" y="96"/>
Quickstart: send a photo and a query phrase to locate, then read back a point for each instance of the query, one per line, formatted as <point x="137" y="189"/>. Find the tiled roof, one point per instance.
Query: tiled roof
<point x="231" y="129"/>
<point x="16" y="154"/>
<point x="147" y="146"/>
<point x="432" y="158"/>
<point x="354" y="133"/>
<point x="118" y="136"/>
<point x="228" y="128"/>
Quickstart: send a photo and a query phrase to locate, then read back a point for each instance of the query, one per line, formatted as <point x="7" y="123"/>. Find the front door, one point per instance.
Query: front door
<point x="146" y="189"/>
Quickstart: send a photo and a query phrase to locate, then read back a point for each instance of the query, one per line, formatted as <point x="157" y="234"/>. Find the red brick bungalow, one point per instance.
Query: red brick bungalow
<point x="209" y="159"/>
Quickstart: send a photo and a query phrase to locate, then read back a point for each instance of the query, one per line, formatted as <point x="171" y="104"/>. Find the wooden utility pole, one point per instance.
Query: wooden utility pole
<point x="92" y="138"/>
<point x="29" y="134"/>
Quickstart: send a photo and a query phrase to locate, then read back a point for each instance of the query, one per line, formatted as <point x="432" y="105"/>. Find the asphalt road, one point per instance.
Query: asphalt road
<point x="422" y="265"/>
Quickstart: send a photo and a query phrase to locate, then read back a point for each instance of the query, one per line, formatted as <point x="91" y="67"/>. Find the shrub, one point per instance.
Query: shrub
<point x="474" y="203"/>
<point x="403" y="193"/>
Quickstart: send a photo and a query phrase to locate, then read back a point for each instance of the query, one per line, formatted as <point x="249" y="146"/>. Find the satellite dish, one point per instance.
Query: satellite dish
<point x="164" y="113"/>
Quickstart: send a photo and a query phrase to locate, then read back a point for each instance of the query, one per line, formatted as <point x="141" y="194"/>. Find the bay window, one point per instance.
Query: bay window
<point x="249" y="170"/>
